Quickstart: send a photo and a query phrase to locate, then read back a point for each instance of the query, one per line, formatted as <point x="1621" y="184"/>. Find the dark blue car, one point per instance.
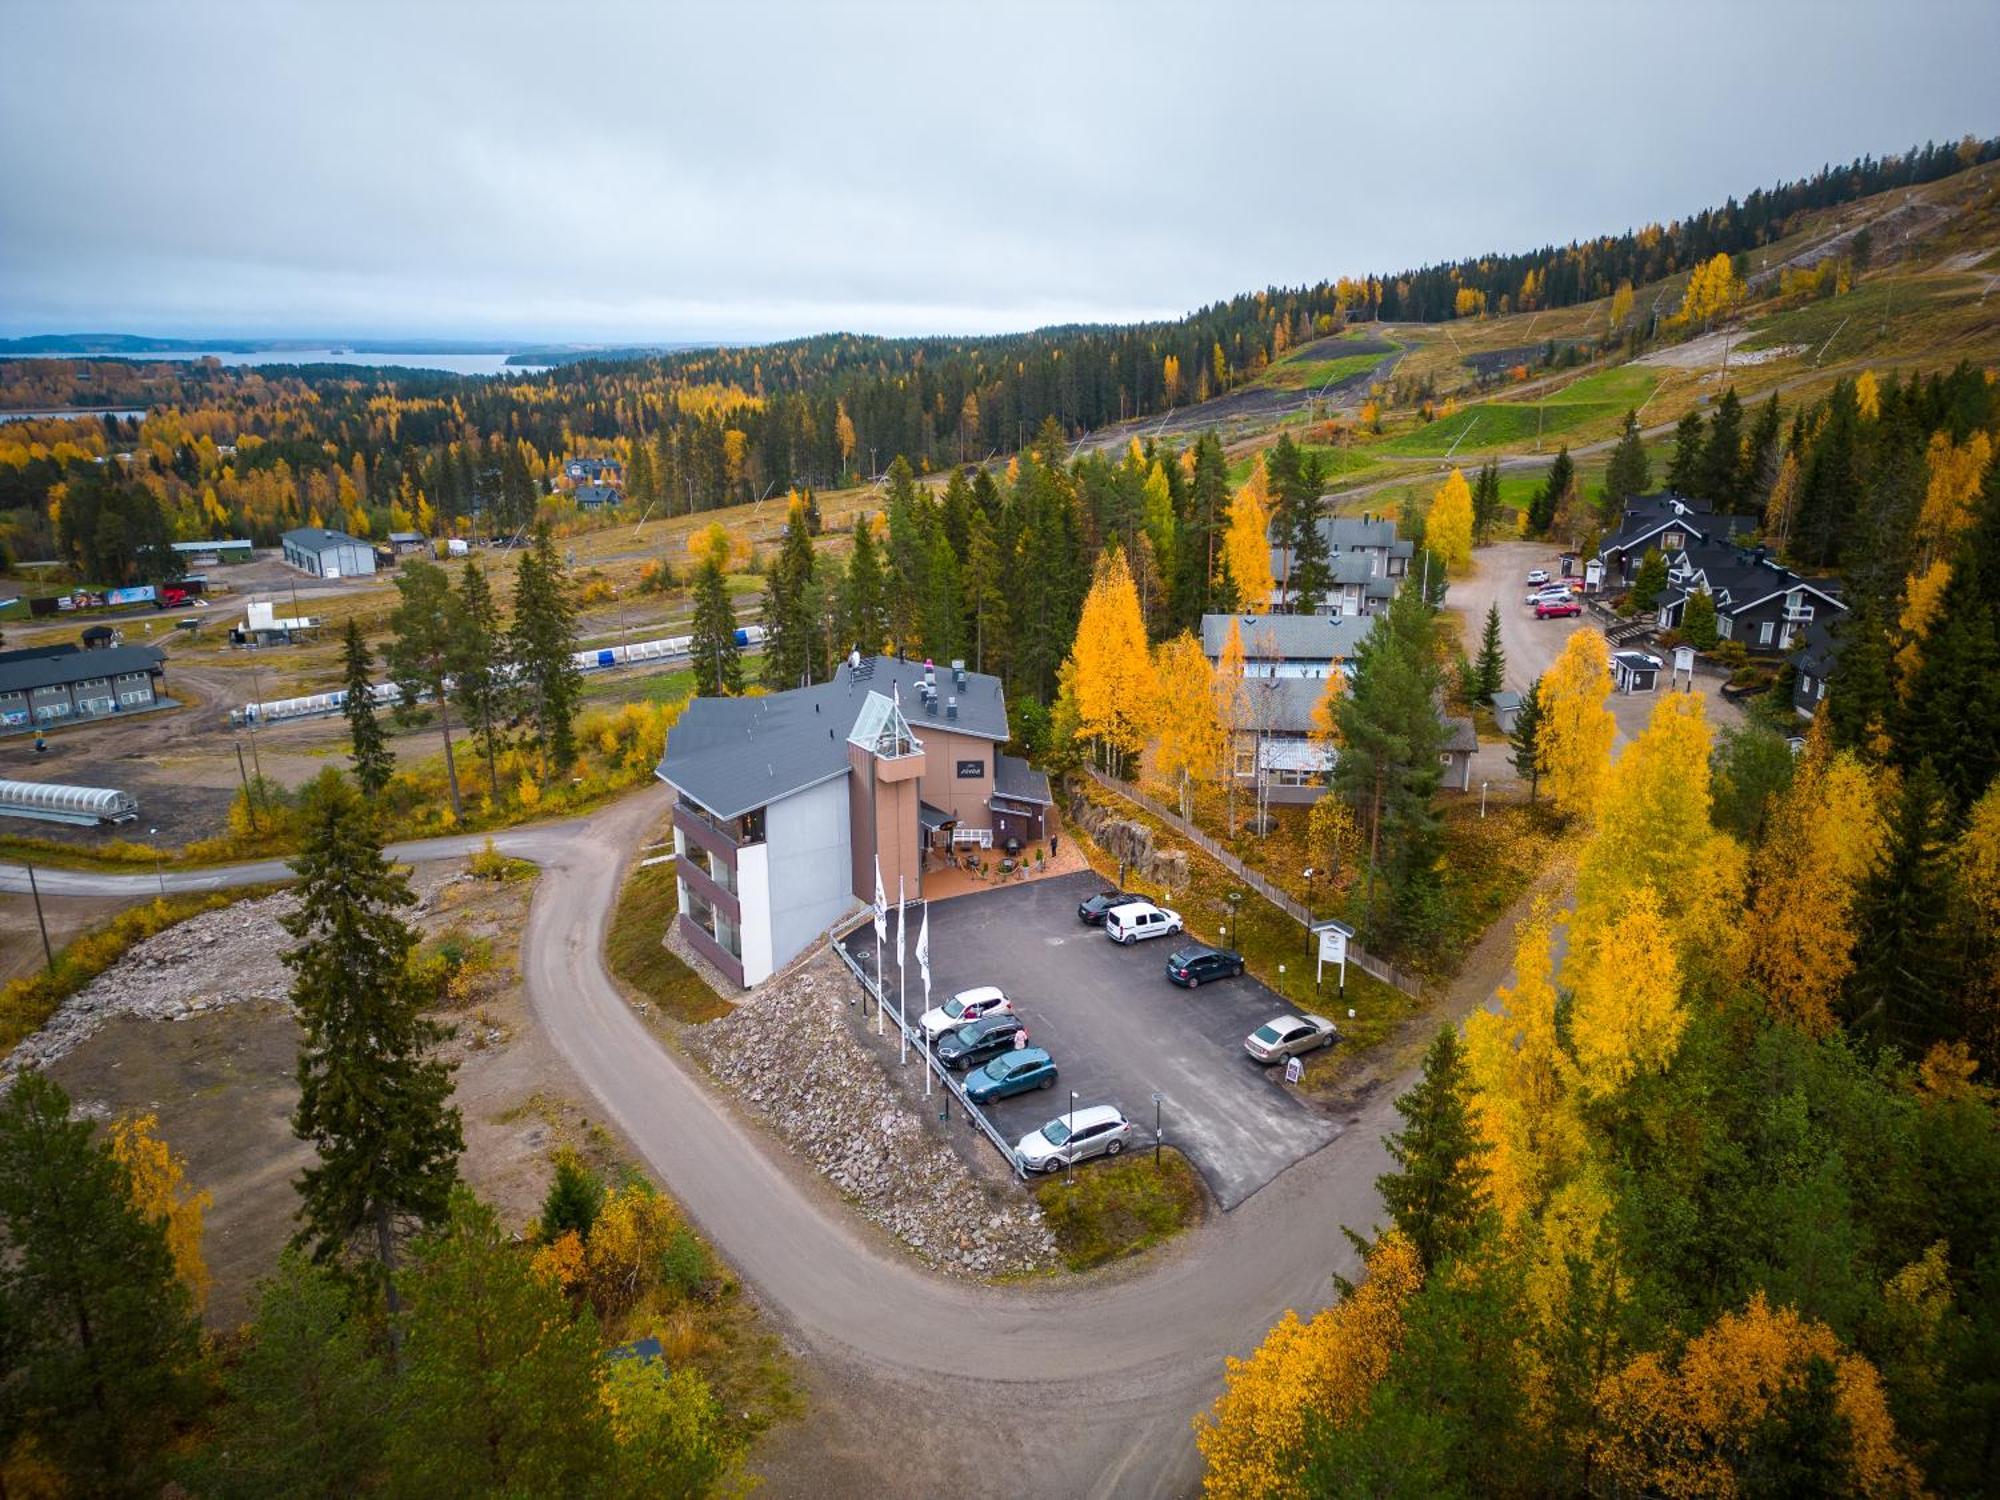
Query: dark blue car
<point x="1011" y="1073"/>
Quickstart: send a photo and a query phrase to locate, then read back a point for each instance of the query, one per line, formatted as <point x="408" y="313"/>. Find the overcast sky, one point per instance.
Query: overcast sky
<point x="644" y="172"/>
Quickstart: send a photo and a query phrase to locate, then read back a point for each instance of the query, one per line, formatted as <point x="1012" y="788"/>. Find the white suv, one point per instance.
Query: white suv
<point x="1095" y="1130"/>
<point x="1140" y="919"/>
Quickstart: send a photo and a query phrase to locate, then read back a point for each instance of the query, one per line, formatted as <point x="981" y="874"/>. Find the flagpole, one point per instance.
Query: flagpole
<point x="924" y="969"/>
<point x="902" y="988"/>
<point x="881" y="924"/>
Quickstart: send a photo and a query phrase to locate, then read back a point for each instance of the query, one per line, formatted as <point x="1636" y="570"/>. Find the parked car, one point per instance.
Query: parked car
<point x="966" y="1005"/>
<point x="1288" y="1036"/>
<point x="1197" y="963"/>
<point x="1553" y="591"/>
<point x="1092" y="908"/>
<point x="977" y="1041"/>
<point x="1094" y="1130"/>
<point x="1557" y="609"/>
<point x="1140" y="919"/>
<point x="1011" y="1073"/>
<point x="1538" y="575"/>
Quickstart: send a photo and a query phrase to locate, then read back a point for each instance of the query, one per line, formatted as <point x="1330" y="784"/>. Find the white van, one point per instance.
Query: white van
<point x="1139" y="919"/>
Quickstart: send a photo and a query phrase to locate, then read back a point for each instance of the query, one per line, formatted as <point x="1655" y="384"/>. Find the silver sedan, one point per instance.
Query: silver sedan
<point x="1288" y="1036"/>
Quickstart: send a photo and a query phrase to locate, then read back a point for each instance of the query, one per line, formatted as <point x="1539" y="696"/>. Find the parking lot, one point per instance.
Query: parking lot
<point x="1118" y="1030"/>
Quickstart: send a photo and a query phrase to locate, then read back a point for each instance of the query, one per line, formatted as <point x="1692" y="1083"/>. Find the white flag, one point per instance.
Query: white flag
<point x="924" y="952"/>
<point x="902" y="922"/>
<point x="881" y="904"/>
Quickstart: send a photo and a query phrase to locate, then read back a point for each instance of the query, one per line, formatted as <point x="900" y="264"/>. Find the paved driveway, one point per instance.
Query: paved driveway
<point x="1118" y="1030"/>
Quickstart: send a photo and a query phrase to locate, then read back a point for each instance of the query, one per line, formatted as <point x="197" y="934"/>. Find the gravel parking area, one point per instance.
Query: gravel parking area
<point x="1119" y="1029"/>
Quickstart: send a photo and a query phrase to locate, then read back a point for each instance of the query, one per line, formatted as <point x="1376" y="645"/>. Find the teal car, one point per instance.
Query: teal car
<point x="1011" y="1073"/>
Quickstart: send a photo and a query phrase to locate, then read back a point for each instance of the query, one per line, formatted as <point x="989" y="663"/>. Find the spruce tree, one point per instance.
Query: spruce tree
<point x="1860" y="696"/>
<point x="98" y="1338"/>
<point x="1901" y="988"/>
<point x="307" y="1401"/>
<point x="1524" y="736"/>
<point x="791" y="621"/>
<point x="1629" y="473"/>
<point x="986" y="598"/>
<point x="943" y="613"/>
<point x="542" y="647"/>
<point x="501" y="1394"/>
<point x="1486" y="501"/>
<point x="373" y="1104"/>
<point x="1684" y="468"/>
<point x="1490" y="670"/>
<point x="478" y="668"/>
<point x="1438" y="1195"/>
<point x="1720" y="476"/>
<point x="1312" y="567"/>
<point x="426" y="632"/>
<point x="861" y="606"/>
<point x="1761" y="457"/>
<point x="1650" y="580"/>
<point x="373" y="764"/>
<point x="1951" y="718"/>
<point x="573" y="1199"/>
<point x="718" y="668"/>
<point x="1698" y="621"/>
<point x="1542" y="509"/>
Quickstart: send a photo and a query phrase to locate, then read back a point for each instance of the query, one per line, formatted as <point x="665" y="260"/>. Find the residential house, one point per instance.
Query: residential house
<point x="1367" y="559"/>
<point x="1818" y="654"/>
<point x="1289" y="645"/>
<point x="328" y="554"/>
<point x="1667" y="523"/>
<point x="1758" y="600"/>
<point x="597" y="497"/>
<point x="594" y="471"/>
<point x="787" y="804"/>
<point x="47" y="685"/>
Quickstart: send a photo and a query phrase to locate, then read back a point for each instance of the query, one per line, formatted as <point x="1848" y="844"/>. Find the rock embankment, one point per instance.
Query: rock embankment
<point x="788" y="1053"/>
<point x="218" y="958"/>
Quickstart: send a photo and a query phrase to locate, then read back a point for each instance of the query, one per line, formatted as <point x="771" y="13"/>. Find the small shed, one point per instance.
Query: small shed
<point x="1461" y="743"/>
<point x="1506" y="709"/>
<point x="98" y="637"/>
<point x="408" y="541"/>
<point x="1635" y="671"/>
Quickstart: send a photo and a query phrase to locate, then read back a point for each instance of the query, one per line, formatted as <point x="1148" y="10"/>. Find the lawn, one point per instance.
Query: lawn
<point x="1503" y="424"/>
<point x="1108" y="1209"/>
<point x="1311" y="371"/>
<point x="1621" y="386"/>
<point x="646" y="905"/>
<point x="1335" y="463"/>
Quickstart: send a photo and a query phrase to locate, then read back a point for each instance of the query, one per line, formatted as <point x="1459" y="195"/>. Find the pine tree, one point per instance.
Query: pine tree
<point x="1629" y="473"/>
<point x="572" y="1201"/>
<point x="1312" y="567"/>
<point x="1698" y="620"/>
<point x="943" y="613"/>
<point x="542" y="648"/>
<point x="986" y="598"/>
<point x="791" y="624"/>
<point x="478" y="669"/>
<point x="373" y="764"/>
<point x="1901" y="985"/>
<point x="1525" y="736"/>
<point x="1490" y="670"/>
<point x="426" y="631"/>
<point x="1684" y="468"/>
<point x="1951" y="718"/>
<point x="718" y="669"/>
<point x="373" y="1104"/>
<point x="501" y="1393"/>
<point x="98" y="1336"/>
<point x="1201" y="584"/>
<point x="861" y="608"/>
<point x="307" y="1407"/>
<point x="1860" y="695"/>
<point x="1437" y="1197"/>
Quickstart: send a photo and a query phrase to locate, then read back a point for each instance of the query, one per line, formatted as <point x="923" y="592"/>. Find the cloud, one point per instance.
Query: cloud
<point x="644" y="172"/>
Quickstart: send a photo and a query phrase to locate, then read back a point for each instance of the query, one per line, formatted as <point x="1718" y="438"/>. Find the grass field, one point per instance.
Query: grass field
<point x="1108" y="1209"/>
<point x="646" y="905"/>
<point x="1335" y="463"/>
<point x="1591" y="407"/>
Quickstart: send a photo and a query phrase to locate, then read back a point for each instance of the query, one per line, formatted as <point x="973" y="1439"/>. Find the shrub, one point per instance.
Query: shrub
<point x="489" y="863"/>
<point x="574" y="1198"/>
<point x="685" y="1266"/>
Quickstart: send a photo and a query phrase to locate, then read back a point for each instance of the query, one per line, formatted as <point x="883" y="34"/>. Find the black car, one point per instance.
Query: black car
<point x="1197" y="962"/>
<point x="978" y="1041"/>
<point x="1093" y="908"/>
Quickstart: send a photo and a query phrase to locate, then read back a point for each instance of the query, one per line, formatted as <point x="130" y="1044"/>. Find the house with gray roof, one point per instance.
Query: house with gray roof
<point x="1368" y="562"/>
<point x="1666" y="523"/>
<point x="1758" y="600"/>
<point x="1289" y="645"/>
<point x="48" y="685"/>
<point x="788" y="804"/>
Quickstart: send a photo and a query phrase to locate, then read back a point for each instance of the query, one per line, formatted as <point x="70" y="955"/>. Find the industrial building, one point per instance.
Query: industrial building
<point x="328" y="554"/>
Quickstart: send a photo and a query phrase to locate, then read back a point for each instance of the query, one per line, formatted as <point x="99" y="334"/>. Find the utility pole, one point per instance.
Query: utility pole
<point x="48" y="955"/>
<point x="249" y="797"/>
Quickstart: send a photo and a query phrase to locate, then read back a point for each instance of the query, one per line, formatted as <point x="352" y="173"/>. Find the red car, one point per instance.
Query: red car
<point x="1557" y="609"/>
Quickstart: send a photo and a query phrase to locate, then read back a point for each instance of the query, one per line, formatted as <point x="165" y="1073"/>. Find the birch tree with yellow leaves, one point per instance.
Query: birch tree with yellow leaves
<point x="162" y="1194"/>
<point x="1574" y="738"/>
<point x="1117" y="694"/>
<point x="1246" y="542"/>
<point x="1192" y="740"/>
<point x="1448" y="530"/>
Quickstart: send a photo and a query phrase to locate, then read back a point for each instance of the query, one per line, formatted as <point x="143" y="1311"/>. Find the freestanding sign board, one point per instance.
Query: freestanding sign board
<point x="1294" y="1070"/>
<point x="1333" y="938"/>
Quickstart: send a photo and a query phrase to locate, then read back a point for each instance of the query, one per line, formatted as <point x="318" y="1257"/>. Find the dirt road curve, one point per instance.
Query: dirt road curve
<point x="1101" y="1376"/>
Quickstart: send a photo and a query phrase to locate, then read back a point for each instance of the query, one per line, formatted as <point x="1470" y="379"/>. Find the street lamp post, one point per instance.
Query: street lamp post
<point x="1156" y="1129"/>
<point x="1069" y="1144"/>
<point x="1482" y="799"/>
<point x="159" y="873"/>
<point x="1310" y="872"/>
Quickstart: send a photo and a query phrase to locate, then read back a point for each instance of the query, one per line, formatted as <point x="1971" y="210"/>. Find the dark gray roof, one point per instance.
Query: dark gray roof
<point x="319" y="538"/>
<point x="1647" y="515"/>
<point x="78" y="666"/>
<point x="588" y="495"/>
<point x="406" y="536"/>
<point x="1288" y="637"/>
<point x="1818" y="650"/>
<point x="1017" y="781"/>
<point x="1506" y="702"/>
<point x="1739" y="577"/>
<point x="1281" y="705"/>
<point x="1460" y="737"/>
<point x="39" y="653"/>
<point x="735" y="754"/>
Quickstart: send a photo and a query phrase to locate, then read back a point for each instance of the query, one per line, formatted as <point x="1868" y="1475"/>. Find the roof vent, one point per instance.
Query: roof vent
<point x="930" y="704"/>
<point x="951" y="708"/>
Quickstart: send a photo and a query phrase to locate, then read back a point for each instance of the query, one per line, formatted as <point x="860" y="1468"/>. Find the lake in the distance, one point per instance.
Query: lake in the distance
<point x="456" y="364"/>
